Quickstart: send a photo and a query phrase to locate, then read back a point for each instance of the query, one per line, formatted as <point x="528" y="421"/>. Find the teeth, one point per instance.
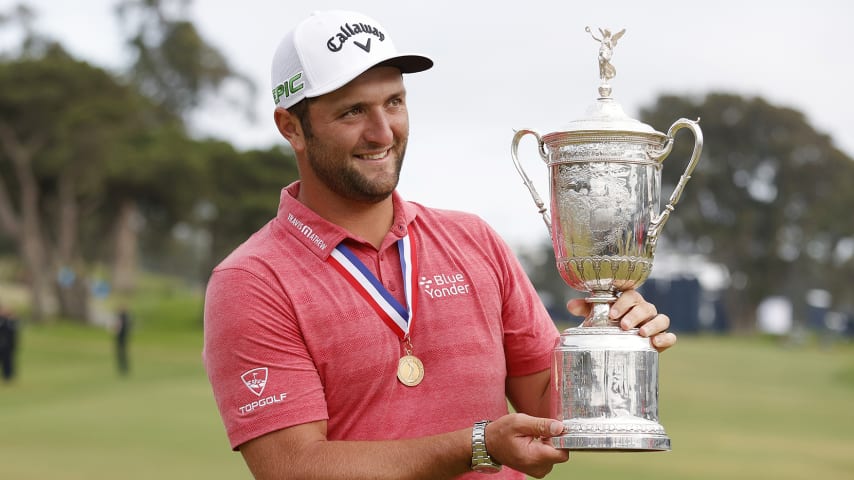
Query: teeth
<point x="376" y="156"/>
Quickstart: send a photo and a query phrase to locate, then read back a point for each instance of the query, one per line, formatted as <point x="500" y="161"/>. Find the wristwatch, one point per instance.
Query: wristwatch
<point x="480" y="459"/>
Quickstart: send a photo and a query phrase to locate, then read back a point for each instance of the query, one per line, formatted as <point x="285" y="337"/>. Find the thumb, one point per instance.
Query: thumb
<point x="556" y="428"/>
<point x="546" y="427"/>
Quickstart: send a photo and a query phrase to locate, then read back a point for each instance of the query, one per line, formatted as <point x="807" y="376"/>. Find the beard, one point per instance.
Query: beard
<point x="333" y="168"/>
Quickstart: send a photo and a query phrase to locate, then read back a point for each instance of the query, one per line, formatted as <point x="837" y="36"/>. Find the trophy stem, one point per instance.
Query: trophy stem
<point x="598" y="316"/>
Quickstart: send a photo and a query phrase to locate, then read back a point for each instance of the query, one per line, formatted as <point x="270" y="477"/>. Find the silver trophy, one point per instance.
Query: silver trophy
<point x="605" y="182"/>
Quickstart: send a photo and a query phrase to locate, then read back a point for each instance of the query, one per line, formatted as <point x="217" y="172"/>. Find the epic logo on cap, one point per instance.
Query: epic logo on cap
<point x="288" y="88"/>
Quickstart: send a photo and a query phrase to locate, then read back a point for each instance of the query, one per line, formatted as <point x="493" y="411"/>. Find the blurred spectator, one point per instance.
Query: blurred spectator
<point x="8" y="343"/>
<point x="122" y="333"/>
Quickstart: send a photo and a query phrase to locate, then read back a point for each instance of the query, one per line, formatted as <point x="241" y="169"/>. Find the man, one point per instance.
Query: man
<point x="8" y="343"/>
<point x="358" y="335"/>
<point x="122" y="331"/>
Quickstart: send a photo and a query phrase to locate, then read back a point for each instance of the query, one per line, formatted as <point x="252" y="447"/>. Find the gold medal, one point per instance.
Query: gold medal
<point x="410" y="370"/>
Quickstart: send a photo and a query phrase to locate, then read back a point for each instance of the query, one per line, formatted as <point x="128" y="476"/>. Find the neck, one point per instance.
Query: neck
<point x="369" y="221"/>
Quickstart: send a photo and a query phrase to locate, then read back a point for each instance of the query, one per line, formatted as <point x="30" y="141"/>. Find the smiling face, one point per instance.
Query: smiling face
<point x="358" y="137"/>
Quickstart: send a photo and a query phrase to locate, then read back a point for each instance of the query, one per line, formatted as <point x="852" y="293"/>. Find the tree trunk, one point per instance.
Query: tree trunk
<point x="73" y="295"/>
<point x="9" y="221"/>
<point x="34" y="256"/>
<point x="742" y="313"/>
<point x="127" y="239"/>
<point x="30" y="239"/>
<point x="72" y="284"/>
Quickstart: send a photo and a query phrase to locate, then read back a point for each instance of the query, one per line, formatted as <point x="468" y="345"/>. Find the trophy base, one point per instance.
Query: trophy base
<point x="605" y="391"/>
<point x="613" y="443"/>
<point x="621" y="434"/>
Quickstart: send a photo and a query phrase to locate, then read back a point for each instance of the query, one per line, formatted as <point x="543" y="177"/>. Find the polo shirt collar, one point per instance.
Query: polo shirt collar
<point x="321" y="236"/>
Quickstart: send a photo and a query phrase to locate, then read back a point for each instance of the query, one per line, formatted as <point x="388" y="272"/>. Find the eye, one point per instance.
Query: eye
<point x="352" y="112"/>
<point x="396" y="102"/>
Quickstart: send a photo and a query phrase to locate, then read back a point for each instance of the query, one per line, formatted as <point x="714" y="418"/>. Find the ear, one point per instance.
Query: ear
<point x="290" y="128"/>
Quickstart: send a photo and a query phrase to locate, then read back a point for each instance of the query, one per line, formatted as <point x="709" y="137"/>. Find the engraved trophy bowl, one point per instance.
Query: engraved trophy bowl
<point x="604" y="222"/>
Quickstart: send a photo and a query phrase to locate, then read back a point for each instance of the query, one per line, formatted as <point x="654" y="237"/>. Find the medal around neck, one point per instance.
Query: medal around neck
<point x="399" y="318"/>
<point x="410" y="370"/>
<point x="604" y="222"/>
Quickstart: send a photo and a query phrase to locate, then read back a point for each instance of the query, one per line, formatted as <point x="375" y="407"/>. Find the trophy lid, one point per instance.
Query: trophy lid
<point x="606" y="114"/>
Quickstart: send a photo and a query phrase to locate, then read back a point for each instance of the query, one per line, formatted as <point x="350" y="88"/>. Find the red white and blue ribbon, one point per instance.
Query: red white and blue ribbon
<point x="396" y="316"/>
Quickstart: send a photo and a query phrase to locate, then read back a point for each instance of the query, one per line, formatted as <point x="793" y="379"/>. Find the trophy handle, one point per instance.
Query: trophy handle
<point x="661" y="219"/>
<point x="514" y="152"/>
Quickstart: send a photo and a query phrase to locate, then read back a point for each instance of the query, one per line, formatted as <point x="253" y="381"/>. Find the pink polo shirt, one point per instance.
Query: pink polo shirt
<point x="289" y="341"/>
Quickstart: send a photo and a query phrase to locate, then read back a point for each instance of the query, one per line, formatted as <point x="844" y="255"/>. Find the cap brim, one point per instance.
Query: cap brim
<point x="408" y="63"/>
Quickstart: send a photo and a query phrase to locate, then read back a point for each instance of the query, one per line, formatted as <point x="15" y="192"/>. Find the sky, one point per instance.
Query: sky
<point x="499" y="69"/>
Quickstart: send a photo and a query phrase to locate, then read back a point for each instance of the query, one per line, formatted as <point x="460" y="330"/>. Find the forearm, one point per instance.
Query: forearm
<point x="544" y="403"/>
<point x="435" y="457"/>
<point x="531" y="394"/>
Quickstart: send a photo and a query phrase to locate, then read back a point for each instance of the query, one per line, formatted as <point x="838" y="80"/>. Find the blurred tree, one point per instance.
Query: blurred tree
<point x="156" y="184"/>
<point x="180" y="70"/>
<point x="770" y="200"/>
<point x="246" y="193"/>
<point x="64" y="131"/>
<point x="240" y="195"/>
<point x="88" y="160"/>
<point x="33" y="43"/>
<point x="172" y="63"/>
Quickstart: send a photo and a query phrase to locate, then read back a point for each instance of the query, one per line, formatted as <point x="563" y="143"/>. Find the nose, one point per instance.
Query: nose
<point x="379" y="127"/>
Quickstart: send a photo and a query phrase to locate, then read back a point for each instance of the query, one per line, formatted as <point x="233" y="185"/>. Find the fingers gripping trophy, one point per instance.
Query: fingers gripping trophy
<point x="604" y="221"/>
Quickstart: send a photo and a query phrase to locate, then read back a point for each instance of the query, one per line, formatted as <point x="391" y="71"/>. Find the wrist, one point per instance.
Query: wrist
<point x="481" y="461"/>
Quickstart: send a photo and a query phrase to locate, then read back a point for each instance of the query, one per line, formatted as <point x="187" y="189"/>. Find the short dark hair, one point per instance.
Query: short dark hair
<point x="300" y="110"/>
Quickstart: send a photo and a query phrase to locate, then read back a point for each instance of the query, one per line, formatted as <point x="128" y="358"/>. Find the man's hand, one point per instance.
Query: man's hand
<point x="634" y="312"/>
<point x="521" y="442"/>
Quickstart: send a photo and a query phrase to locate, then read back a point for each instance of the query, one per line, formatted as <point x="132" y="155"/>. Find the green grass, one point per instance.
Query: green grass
<point x="733" y="407"/>
<point x="69" y="415"/>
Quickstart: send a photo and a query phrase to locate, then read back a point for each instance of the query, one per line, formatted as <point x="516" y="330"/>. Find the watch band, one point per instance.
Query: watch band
<point x="480" y="459"/>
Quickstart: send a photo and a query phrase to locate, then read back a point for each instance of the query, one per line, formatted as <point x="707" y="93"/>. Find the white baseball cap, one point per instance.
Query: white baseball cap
<point x="328" y="50"/>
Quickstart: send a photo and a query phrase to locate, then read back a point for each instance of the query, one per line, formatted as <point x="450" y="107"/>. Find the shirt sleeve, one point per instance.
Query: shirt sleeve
<point x="262" y="375"/>
<point x="530" y="334"/>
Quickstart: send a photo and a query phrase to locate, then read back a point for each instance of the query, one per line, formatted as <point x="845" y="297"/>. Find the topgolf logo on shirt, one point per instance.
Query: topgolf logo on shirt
<point x="444" y="285"/>
<point x="256" y="380"/>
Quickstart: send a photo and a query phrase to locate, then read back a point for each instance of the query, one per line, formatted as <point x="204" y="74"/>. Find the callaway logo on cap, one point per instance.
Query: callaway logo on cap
<point x="329" y="49"/>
